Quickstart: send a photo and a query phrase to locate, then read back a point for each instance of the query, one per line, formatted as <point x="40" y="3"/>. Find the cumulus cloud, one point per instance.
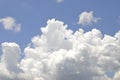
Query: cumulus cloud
<point x="9" y="23"/>
<point x="87" y="18"/>
<point x="61" y="54"/>
<point x="9" y="60"/>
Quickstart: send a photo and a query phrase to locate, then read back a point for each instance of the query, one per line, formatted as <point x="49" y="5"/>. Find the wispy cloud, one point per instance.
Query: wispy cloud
<point x="59" y="1"/>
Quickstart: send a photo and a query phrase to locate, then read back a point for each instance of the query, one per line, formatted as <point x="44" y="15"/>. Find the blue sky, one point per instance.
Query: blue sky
<point x="22" y="20"/>
<point x="33" y="14"/>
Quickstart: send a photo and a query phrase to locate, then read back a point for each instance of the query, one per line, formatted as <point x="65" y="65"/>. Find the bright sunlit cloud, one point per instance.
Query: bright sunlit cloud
<point x="61" y="54"/>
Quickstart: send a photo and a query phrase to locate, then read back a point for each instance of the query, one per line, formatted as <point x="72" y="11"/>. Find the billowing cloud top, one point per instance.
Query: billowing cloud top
<point x="60" y="54"/>
<point x="9" y="23"/>
<point x="87" y="18"/>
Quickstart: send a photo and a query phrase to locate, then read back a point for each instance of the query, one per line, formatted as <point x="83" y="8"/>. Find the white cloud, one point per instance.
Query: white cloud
<point x="60" y="54"/>
<point x="11" y="53"/>
<point x="9" y="60"/>
<point x="59" y="1"/>
<point x="87" y="18"/>
<point x="9" y="23"/>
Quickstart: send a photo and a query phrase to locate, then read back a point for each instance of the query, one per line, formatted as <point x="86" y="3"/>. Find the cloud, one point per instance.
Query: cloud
<point x="87" y="18"/>
<point x="61" y="54"/>
<point x="9" y="23"/>
<point x="9" y="60"/>
<point x="59" y="1"/>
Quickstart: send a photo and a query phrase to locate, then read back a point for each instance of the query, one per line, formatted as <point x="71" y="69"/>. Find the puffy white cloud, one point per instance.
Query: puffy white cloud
<point x="87" y="18"/>
<point x="60" y="54"/>
<point x="9" y="60"/>
<point x="11" y="54"/>
<point x="9" y="23"/>
<point x="54" y="36"/>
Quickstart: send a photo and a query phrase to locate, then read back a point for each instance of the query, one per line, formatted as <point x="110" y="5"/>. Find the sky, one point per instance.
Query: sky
<point x="34" y="14"/>
<point x="55" y="39"/>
